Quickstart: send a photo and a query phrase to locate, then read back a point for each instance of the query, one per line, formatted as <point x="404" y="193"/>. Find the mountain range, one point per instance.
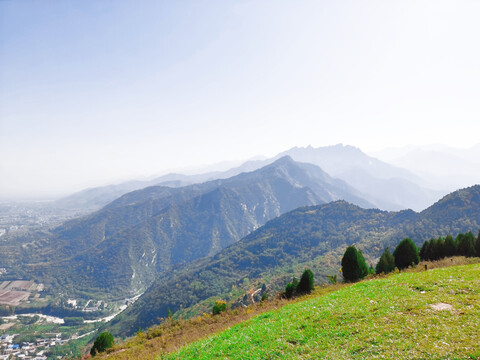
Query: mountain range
<point x="191" y="239"/>
<point x="385" y="186"/>
<point x="120" y="249"/>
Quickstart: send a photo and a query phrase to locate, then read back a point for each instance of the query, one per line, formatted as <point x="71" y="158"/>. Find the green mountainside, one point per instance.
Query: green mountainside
<point x="119" y="250"/>
<point x="314" y="236"/>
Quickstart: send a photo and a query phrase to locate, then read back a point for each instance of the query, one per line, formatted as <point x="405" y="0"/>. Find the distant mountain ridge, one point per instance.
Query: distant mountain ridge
<point x="385" y="186"/>
<point x="388" y="187"/>
<point x="315" y="236"/>
<point x="97" y="197"/>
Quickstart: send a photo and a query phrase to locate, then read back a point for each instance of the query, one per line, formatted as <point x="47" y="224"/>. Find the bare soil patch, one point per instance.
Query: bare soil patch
<point x="441" y="306"/>
<point x="12" y="297"/>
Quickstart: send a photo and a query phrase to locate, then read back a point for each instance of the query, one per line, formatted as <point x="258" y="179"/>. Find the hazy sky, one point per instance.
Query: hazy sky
<point x="94" y="91"/>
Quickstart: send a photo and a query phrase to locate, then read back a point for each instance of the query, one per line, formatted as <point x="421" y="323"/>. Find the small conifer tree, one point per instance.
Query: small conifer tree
<point x="466" y="244"/>
<point x="354" y="266"/>
<point x="450" y="247"/>
<point x="386" y="263"/>
<point x="306" y="284"/>
<point x="439" y="248"/>
<point x="477" y="244"/>
<point x="406" y="254"/>
<point x="425" y="251"/>
<point x="289" y="290"/>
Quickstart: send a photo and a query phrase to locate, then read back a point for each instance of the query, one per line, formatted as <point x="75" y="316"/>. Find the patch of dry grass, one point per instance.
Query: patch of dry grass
<point x="446" y="262"/>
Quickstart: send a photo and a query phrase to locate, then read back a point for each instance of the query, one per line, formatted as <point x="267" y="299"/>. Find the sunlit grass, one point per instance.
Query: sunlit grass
<point x="382" y="318"/>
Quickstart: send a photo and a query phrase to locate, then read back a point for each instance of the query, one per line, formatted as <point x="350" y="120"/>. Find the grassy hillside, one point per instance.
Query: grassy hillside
<point x="395" y="317"/>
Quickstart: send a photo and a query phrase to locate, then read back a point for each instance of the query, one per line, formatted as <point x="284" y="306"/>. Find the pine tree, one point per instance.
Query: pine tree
<point x="386" y="263"/>
<point x="306" y="284"/>
<point x="290" y="290"/>
<point x="450" y="247"/>
<point x="440" y="248"/>
<point x="436" y="249"/>
<point x="477" y="244"/>
<point x="466" y="244"/>
<point x="425" y="252"/>
<point x="406" y="254"/>
<point x="354" y="266"/>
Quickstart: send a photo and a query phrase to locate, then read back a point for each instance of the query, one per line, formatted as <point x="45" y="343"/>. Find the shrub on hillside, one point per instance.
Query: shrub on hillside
<point x="103" y="342"/>
<point x="306" y="284"/>
<point x="354" y="266"/>
<point x="219" y="307"/>
<point x="386" y="264"/>
<point x="290" y="290"/>
<point x="406" y="254"/>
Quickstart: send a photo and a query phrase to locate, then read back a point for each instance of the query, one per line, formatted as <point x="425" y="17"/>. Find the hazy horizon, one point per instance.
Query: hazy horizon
<point x="203" y="168"/>
<point x="93" y="93"/>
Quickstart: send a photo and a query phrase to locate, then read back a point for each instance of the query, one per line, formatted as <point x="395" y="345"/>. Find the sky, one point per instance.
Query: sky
<point x="93" y="92"/>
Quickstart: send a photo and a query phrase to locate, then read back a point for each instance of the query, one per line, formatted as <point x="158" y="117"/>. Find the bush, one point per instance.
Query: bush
<point x="332" y="279"/>
<point x="406" y="254"/>
<point x="219" y="307"/>
<point x="386" y="264"/>
<point x="103" y="342"/>
<point x="306" y="284"/>
<point x="354" y="266"/>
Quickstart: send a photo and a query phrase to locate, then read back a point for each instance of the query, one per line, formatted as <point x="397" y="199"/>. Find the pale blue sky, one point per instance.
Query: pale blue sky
<point x="96" y="91"/>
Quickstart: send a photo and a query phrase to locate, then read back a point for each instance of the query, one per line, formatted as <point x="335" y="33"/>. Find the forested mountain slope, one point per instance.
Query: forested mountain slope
<point x="119" y="249"/>
<point x="315" y="235"/>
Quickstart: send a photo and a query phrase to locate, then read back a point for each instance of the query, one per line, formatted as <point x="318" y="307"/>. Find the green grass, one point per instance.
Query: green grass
<point x="384" y="318"/>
